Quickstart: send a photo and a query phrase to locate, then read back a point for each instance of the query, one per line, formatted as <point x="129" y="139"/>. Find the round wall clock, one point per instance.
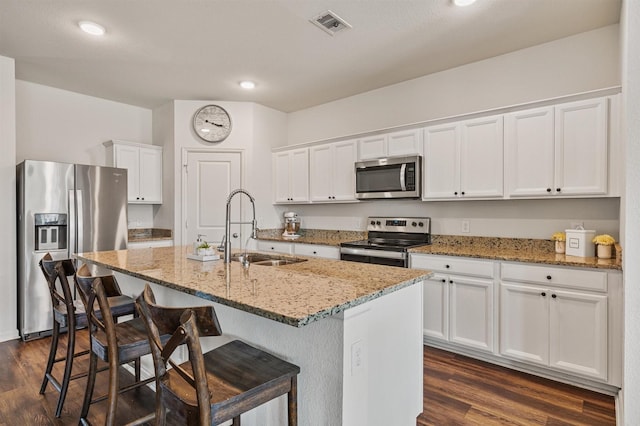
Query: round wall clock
<point x="212" y="123"/>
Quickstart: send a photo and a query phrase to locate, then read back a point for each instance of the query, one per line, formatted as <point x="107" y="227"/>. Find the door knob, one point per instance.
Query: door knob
<point x="235" y="235"/>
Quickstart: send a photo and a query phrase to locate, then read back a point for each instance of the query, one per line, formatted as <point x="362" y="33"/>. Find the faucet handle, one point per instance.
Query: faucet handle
<point x="221" y="246"/>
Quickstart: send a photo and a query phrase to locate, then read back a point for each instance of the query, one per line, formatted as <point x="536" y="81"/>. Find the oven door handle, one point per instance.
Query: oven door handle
<point x="373" y="253"/>
<point x="403" y="169"/>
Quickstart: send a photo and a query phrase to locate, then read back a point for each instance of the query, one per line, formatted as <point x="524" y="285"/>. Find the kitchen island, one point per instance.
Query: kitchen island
<point x="354" y="329"/>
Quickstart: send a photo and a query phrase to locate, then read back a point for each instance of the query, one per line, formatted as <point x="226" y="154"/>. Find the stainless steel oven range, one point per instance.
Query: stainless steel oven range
<point x="388" y="242"/>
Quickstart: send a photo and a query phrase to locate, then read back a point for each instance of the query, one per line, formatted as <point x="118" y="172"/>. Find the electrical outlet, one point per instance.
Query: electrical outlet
<point x="576" y="224"/>
<point x="465" y="226"/>
<point x="357" y="349"/>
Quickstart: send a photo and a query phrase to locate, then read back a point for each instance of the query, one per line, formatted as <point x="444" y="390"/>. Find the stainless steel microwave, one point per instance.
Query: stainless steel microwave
<point x="391" y="177"/>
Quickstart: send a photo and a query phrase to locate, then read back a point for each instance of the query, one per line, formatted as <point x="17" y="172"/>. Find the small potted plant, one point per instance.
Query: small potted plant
<point x="560" y="238"/>
<point x="604" y="243"/>
<point x="205" y="249"/>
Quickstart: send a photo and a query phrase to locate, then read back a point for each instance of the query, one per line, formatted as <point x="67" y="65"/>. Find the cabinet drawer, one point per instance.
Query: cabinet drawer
<point x="149" y="244"/>
<point x="275" y="246"/>
<point x="453" y="265"/>
<point x="315" y="250"/>
<point x="561" y="277"/>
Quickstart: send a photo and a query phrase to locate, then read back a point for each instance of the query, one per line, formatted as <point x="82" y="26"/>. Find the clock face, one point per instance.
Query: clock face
<point x="212" y="123"/>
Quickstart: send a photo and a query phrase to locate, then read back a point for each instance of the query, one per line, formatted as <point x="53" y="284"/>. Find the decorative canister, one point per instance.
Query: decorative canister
<point x="604" y="252"/>
<point x="560" y="247"/>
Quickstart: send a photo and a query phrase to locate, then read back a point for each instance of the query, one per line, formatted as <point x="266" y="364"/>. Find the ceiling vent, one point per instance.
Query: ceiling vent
<point x="330" y="23"/>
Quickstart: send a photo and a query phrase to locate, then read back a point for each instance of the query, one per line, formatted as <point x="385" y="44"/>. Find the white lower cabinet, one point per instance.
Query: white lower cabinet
<point x="458" y="308"/>
<point x="311" y="250"/>
<point x="317" y="250"/>
<point x="562" y="326"/>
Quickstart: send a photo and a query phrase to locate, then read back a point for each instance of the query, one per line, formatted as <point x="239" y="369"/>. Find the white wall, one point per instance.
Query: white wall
<point x="581" y="63"/>
<point x="630" y="22"/>
<point x="571" y="65"/>
<point x="256" y="129"/>
<point x="58" y="125"/>
<point x="8" y="258"/>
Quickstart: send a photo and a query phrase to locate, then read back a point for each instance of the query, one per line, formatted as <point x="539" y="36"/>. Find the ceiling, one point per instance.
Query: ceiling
<point x="158" y="50"/>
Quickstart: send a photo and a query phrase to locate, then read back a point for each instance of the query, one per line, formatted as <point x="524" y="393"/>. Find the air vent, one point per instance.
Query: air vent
<point x="330" y="23"/>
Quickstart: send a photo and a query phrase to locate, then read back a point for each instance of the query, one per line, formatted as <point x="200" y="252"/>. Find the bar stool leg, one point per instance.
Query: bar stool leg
<point x="292" y="398"/>
<point x="55" y="335"/>
<point x="114" y="381"/>
<point x="91" y="381"/>
<point x="64" y="386"/>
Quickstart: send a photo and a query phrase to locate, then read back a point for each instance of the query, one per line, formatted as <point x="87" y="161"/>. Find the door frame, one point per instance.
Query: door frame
<point x="183" y="177"/>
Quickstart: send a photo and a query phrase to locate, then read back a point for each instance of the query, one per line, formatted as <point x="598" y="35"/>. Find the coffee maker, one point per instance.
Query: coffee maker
<point x="291" y="225"/>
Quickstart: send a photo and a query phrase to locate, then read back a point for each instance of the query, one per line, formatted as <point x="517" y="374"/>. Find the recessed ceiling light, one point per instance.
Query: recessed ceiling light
<point x="247" y="84"/>
<point x="91" y="28"/>
<point x="462" y="3"/>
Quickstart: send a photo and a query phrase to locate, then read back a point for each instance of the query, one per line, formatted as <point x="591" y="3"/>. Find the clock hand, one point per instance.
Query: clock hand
<point x="215" y="124"/>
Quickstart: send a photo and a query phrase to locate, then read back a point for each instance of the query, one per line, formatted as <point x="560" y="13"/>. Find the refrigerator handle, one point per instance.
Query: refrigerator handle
<point x="72" y="224"/>
<point x="79" y="221"/>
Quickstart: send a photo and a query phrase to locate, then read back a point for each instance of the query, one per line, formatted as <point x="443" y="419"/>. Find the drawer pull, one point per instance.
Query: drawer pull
<point x="543" y="294"/>
<point x="548" y="277"/>
<point x="554" y="296"/>
<point x="450" y="281"/>
<point x="444" y="281"/>
<point x="447" y="266"/>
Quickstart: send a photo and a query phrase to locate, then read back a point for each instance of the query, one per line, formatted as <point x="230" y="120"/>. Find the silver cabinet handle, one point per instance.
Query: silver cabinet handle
<point x="235" y="235"/>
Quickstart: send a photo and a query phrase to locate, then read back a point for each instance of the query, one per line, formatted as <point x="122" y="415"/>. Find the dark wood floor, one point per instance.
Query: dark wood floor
<point x="462" y="391"/>
<point x="457" y="391"/>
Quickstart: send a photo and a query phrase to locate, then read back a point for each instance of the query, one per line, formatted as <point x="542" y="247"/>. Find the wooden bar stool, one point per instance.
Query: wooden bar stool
<point x="70" y="314"/>
<point x="114" y="343"/>
<point x="215" y="387"/>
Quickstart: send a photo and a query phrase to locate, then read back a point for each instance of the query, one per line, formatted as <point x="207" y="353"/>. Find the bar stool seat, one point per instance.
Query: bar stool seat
<point x="71" y="314"/>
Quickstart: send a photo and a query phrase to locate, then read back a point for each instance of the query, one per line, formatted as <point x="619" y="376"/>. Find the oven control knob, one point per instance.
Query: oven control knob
<point x="420" y="224"/>
<point x="378" y="222"/>
<point x="414" y="224"/>
<point x="373" y="222"/>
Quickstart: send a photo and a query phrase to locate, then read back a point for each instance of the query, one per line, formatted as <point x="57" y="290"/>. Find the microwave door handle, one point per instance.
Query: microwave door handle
<point x="402" y="176"/>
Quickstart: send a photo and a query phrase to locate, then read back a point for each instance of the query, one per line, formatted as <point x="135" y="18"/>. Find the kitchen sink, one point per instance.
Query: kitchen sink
<point x="265" y="259"/>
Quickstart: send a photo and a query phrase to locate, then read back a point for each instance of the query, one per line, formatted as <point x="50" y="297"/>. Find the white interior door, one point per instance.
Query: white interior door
<point x="210" y="177"/>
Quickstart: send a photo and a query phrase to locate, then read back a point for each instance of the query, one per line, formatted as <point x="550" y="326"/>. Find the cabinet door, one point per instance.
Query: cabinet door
<point x="441" y="162"/>
<point x="344" y="178"/>
<point x="481" y="153"/>
<point x="299" y="178"/>
<point x="524" y="323"/>
<point x="471" y="312"/>
<point x="436" y="307"/>
<point x="581" y="147"/>
<point x="372" y="147"/>
<point x="578" y="333"/>
<point x="150" y="175"/>
<point x="281" y="172"/>
<point x="405" y="142"/>
<point x="316" y="250"/>
<point x="529" y="152"/>
<point x="128" y="157"/>
<point x="321" y="172"/>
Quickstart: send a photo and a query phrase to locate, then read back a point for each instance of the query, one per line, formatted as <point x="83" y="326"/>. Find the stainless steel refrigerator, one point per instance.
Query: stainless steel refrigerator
<point x="63" y="209"/>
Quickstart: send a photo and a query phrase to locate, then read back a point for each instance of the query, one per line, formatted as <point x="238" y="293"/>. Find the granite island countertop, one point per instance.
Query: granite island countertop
<point x="295" y="294"/>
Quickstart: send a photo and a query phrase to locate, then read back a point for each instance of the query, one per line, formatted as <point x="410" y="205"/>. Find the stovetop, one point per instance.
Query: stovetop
<point x="394" y="233"/>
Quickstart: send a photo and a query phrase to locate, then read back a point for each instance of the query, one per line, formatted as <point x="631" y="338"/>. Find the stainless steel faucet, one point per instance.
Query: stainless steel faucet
<point x="227" y="225"/>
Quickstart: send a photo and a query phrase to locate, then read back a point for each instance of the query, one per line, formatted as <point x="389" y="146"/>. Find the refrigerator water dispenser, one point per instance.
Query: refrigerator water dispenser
<point x="51" y="231"/>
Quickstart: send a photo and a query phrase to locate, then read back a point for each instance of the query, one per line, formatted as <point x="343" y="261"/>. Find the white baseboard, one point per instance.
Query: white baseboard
<point x="9" y="335"/>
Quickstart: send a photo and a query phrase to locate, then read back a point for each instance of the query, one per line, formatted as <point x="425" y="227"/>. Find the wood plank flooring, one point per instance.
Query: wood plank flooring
<point x="462" y="391"/>
<point x="457" y="391"/>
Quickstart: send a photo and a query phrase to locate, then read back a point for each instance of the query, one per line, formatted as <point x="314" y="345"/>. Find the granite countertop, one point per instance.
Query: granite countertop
<point x="313" y="236"/>
<point x="514" y="249"/>
<point x="509" y="249"/>
<point x="138" y="235"/>
<point x="295" y="294"/>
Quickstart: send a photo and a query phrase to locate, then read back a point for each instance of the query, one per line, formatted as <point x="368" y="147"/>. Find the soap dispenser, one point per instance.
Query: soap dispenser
<point x="198" y="242"/>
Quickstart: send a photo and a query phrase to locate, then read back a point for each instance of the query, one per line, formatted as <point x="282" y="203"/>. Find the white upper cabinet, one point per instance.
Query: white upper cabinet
<point x="291" y="176"/>
<point x="464" y="159"/>
<point x="405" y="142"/>
<point x="557" y="150"/>
<point x="144" y="169"/>
<point x="581" y="147"/>
<point x="331" y="172"/>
